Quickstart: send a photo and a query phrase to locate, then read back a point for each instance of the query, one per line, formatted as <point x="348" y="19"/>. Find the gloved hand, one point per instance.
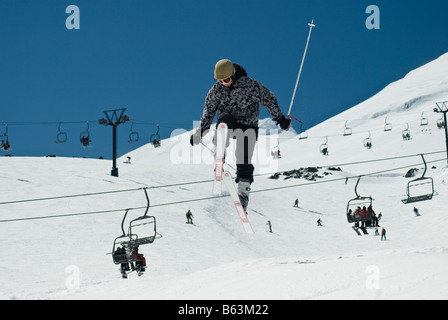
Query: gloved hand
<point x="195" y="138"/>
<point x="284" y="122"/>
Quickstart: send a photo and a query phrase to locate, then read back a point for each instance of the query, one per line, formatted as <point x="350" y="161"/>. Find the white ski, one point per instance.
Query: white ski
<point x="221" y="137"/>
<point x="230" y="184"/>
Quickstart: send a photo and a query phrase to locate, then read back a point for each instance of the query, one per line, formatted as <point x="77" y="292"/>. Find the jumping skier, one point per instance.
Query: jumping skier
<point x="236" y="98"/>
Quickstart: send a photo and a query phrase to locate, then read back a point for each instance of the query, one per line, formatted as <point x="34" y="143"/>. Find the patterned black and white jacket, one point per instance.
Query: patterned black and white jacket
<point x="241" y="101"/>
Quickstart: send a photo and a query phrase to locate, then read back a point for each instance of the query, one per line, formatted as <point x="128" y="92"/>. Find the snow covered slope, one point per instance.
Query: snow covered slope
<point x="60" y="248"/>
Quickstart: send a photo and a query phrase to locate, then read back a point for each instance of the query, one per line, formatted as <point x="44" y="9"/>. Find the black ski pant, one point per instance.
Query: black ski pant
<point x="246" y="138"/>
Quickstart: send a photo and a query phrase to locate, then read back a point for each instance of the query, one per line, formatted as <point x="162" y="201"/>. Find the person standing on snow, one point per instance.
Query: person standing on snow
<point x="189" y="216"/>
<point x="236" y="98"/>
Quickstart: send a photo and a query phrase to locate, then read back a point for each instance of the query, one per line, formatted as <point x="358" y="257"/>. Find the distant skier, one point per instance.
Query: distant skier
<point x="296" y="203"/>
<point x="319" y="223"/>
<point x="236" y="98"/>
<point x="269" y="224"/>
<point x="189" y="216"/>
<point x="416" y="212"/>
<point x="383" y="234"/>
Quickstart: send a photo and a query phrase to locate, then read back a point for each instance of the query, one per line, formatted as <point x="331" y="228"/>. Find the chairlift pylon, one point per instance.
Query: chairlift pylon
<point x="420" y="189"/>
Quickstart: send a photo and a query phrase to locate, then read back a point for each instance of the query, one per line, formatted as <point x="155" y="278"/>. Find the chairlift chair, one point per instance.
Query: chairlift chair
<point x="423" y="121"/>
<point x="155" y="138"/>
<point x="324" y="147"/>
<point x="441" y="123"/>
<point x="352" y="214"/>
<point x="368" y="142"/>
<point x="387" y="126"/>
<point x="406" y="134"/>
<point x="133" y="136"/>
<point x="85" y="137"/>
<point x="347" y="130"/>
<point x="420" y="189"/>
<point x="141" y="231"/>
<point x="303" y="134"/>
<point x="275" y="152"/>
<point x="4" y="140"/>
<point x="62" y="136"/>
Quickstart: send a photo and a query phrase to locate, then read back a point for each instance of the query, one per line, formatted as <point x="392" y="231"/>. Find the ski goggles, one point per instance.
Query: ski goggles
<point x="222" y="81"/>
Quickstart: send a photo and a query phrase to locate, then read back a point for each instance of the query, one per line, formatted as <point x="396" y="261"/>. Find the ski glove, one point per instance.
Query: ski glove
<point x="284" y="122"/>
<point x="195" y="139"/>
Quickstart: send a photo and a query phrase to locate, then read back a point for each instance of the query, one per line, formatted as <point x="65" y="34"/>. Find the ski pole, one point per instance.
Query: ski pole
<point x="206" y="147"/>
<point x="301" y="65"/>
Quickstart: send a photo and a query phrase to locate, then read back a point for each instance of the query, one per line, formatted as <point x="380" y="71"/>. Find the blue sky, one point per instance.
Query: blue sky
<point x="156" y="59"/>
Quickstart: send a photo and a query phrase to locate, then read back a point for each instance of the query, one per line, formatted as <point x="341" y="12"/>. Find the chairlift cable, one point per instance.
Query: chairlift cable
<point x="207" y="198"/>
<point x="204" y="181"/>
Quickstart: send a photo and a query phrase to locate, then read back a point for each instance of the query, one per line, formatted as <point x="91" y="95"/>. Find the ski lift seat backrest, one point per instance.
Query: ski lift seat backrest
<point x="145" y="226"/>
<point x="424" y="187"/>
<point x="420" y="189"/>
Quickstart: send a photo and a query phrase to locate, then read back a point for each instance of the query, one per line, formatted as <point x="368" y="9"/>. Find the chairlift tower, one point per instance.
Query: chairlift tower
<point x="442" y="107"/>
<point x="114" y="118"/>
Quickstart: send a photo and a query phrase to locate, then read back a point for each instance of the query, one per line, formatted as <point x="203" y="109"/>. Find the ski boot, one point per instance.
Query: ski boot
<point x="243" y="192"/>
